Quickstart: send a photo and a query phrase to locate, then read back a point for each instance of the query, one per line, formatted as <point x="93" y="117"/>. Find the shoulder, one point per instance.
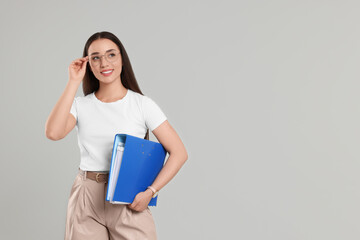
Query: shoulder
<point x="139" y="98"/>
<point x="135" y="95"/>
<point x="83" y="99"/>
<point x="145" y="103"/>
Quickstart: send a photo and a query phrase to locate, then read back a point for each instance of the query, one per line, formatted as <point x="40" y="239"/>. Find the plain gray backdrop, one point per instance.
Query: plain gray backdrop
<point x="264" y="95"/>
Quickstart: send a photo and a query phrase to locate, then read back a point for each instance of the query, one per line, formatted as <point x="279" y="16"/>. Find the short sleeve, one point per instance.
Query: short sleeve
<point x="153" y="114"/>
<point x="73" y="109"/>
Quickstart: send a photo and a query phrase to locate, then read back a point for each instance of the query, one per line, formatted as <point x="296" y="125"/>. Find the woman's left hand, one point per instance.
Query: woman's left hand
<point x="141" y="201"/>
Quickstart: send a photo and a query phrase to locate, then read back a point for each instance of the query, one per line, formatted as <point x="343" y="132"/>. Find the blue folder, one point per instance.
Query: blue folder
<point x="139" y="165"/>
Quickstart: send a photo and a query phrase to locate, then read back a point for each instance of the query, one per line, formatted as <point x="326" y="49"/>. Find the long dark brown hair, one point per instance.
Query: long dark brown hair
<point x="90" y="83"/>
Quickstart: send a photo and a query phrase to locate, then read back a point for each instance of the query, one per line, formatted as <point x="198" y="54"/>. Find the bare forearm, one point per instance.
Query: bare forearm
<point x="169" y="170"/>
<point x="56" y="122"/>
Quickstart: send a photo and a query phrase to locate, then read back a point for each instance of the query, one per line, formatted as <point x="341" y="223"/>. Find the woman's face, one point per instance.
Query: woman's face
<point x="100" y="66"/>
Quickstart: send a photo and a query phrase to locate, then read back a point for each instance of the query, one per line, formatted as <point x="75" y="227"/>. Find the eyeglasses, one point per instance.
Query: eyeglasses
<point x="109" y="56"/>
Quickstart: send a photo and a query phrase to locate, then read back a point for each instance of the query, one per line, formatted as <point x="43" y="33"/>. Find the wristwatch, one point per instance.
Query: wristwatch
<point x="154" y="191"/>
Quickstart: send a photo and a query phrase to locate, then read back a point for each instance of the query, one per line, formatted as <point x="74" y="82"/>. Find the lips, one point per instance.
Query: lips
<point x="107" y="72"/>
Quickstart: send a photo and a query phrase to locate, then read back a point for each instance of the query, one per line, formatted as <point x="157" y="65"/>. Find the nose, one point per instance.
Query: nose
<point x="103" y="61"/>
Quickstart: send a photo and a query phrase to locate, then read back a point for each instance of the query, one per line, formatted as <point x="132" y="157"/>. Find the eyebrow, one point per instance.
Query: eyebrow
<point x="98" y="52"/>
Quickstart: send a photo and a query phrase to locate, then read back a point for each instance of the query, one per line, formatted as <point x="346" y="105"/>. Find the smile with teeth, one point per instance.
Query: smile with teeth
<point x="107" y="71"/>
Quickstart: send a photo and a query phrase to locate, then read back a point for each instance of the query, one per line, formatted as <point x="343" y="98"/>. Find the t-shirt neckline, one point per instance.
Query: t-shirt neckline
<point x="117" y="101"/>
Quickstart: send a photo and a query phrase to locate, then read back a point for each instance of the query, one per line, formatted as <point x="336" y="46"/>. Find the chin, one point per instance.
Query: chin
<point x="107" y="79"/>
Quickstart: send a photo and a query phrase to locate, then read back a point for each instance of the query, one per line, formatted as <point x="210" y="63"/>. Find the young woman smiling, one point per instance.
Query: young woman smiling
<point x="112" y="103"/>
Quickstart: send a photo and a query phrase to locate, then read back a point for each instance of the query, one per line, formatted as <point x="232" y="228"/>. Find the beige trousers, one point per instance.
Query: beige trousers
<point x="90" y="217"/>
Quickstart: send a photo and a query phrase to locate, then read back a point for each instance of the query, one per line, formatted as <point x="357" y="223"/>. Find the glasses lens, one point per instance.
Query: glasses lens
<point x="112" y="56"/>
<point x="95" y="59"/>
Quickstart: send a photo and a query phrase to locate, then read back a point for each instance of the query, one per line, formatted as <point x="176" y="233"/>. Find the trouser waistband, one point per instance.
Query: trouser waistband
<point x="96" y="176"/>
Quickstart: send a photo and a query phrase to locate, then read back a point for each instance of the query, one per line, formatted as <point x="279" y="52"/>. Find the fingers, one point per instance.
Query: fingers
<point x="84" y="59"/>
<point x="132" y="205"/>
<point x="137" y="209"/>
<point x="81" y="60"/>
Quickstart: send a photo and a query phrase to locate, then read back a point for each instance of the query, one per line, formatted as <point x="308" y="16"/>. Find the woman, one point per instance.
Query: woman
<point x="112" y="103"/>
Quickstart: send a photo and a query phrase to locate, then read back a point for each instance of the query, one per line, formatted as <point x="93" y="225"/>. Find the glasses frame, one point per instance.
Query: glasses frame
<point x="100" y="56"/>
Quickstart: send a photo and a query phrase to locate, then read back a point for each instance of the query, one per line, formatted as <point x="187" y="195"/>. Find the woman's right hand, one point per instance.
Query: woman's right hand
<point x="77" y="69"/>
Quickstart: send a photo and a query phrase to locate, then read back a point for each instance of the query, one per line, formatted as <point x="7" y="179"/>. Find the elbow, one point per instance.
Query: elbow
<point x="49" y="133"/>
<point x="52" y="136"/>
<point x="181" y="155"/>
<point x="186" y="156"/>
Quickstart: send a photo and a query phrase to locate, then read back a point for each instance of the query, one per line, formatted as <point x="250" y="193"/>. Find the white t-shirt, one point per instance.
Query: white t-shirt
<point x="97" y="123"/>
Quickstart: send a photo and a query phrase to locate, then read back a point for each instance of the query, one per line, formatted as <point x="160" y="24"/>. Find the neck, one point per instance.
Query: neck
<point x="111" y="92"/>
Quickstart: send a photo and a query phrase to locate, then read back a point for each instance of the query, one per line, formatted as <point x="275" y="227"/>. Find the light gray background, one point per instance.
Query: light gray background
<point x="264" y="95"/>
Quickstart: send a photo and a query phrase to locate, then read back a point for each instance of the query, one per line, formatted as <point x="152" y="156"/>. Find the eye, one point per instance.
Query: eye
<point x="95" y="58"/>
<point x="111" y="55"/>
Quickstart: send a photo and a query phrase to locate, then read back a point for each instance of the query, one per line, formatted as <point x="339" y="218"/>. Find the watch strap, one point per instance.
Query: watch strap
<point x="155" y="192"/>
